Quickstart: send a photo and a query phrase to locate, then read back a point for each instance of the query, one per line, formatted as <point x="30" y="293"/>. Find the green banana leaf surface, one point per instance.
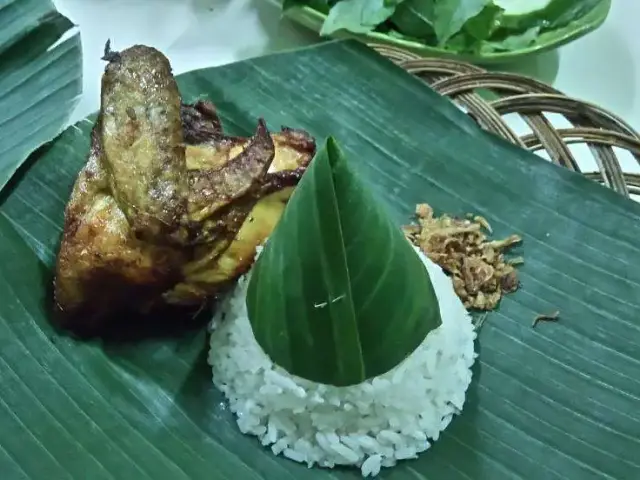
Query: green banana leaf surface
<point x="40" y="78"/>
<point x="559" y="401"/>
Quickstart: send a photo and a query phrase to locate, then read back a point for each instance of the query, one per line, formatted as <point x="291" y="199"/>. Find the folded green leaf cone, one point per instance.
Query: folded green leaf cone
<point x="338" y="295"/>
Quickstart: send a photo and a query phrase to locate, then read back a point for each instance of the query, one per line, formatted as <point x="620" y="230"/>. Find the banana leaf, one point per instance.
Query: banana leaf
<point x="40" y="78"/>
<point x="553" y="402"/>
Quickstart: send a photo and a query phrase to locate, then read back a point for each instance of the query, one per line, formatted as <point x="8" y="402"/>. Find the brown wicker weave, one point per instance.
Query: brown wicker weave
<point x="531" y="99"/>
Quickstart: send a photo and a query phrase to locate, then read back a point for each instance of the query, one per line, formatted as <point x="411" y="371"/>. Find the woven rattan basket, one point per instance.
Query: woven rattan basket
<point x="600" y="130"/>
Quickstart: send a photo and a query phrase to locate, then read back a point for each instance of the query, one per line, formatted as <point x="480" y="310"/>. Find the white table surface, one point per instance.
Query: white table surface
<point x="603" y="67"/>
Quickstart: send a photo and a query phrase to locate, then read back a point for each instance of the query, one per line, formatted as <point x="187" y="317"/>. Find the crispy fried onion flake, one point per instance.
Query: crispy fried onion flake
<point x="481" y="275"/>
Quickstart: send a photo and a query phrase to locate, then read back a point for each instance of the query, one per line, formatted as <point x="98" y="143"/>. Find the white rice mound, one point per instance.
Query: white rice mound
<point x="391" y="417"/>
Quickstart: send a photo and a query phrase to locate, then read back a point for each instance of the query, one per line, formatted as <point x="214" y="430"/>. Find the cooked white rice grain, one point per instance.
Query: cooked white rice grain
<point x="372" y="425"/>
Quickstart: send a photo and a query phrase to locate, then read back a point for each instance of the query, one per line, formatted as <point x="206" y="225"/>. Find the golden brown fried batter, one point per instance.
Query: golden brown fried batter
<point x="210" y="190"/>
<point x="143" y="152"/>
<point x="249" y="218"/>
<point x="167" y="210"/>
<point x="479" y="271"/>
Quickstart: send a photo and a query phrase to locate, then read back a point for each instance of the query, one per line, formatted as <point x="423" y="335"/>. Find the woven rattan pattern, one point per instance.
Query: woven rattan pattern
<point x="591" y="125"/>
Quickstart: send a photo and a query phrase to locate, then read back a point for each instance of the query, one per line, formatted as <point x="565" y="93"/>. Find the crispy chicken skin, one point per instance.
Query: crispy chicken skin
<point x="143" y="151"/>
<point x="167" y="210"/>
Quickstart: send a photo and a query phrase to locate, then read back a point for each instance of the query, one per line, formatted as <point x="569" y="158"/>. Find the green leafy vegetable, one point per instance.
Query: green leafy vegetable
<point x="515" y="41"/>
<point x="482" y="26"/>
<point x="415" y="18"/>
<point x="562" y="12"/>
<point x="468" y="28"/>
<point x="555" y="14"/>
<point x="452" y="15"/>
<point x="460" y="25"/>
<point x="39" y="82"/>
<point x="338" y="294"/>
<point x="357" y="15"/>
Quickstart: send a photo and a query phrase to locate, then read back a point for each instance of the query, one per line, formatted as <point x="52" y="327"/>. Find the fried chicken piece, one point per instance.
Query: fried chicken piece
<point x="480" y="273"/>
<point x="101" y="264"/>
<point x="168" y="210"/>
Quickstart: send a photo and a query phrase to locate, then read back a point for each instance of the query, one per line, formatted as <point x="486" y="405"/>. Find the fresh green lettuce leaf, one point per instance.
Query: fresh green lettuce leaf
<point x="482" y="26"/>
<point x="460" y="26"/>
<point x="451" y="15"/>
<point x="556" y="14"/>
<point x="358" y="16"/>
<point x="415" y="18"/>
<point x="562" y="12"/>
<point x="514" y="41"/>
